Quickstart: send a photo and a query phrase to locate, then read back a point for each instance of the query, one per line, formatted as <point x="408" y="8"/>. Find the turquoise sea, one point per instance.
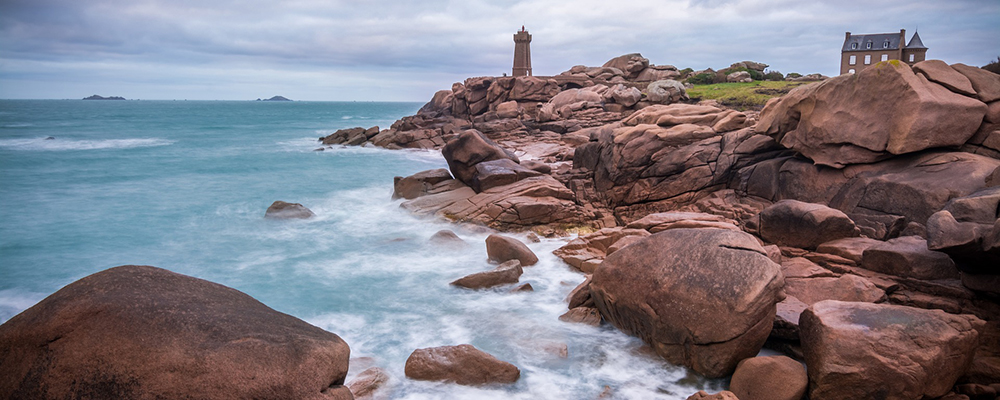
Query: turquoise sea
<point x="183" y="185"/>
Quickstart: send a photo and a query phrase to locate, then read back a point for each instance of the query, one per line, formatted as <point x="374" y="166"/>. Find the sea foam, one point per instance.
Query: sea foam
<point x="56" y="144"/>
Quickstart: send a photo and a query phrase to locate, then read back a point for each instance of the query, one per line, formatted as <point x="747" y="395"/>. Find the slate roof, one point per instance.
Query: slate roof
<point x="878" y="41"/>
<point x="915" y="42"/>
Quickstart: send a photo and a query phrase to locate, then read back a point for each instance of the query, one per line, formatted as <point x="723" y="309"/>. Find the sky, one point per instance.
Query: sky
<point x="381" y="50"/>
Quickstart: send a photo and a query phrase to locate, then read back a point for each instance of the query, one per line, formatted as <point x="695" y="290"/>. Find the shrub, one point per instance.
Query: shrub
<point x="774" y="76"/>
<point x="702" y="79"/>
<point x="993" y="67"/>
<point x="793" y="75"/>
<point x="755" y="75"/>
<point x="686" y="71"/>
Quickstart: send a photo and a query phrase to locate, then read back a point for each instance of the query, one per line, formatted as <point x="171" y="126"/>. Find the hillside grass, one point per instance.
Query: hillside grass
<point x="742" y="96"/>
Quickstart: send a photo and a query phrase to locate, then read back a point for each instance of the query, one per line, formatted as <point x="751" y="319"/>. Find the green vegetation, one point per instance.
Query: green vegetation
<point x="742" y="96"/>
<point x="793" y="75"/>
<point x="702" y="79"/>
<point x="755" y="75"/>
<point x="774" y="76"/>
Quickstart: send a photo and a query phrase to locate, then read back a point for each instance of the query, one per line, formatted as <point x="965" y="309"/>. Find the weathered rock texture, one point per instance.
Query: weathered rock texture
<point x="142" y="332"/>
<point x="704" y="298"/>
<point x="769" y="378"/>
<point x="462" y="364"/>
<point x="867" y="351"/>
<point x="804" y="225"/>
<point x="501" y="249"/>
<point x="506" y="273"/>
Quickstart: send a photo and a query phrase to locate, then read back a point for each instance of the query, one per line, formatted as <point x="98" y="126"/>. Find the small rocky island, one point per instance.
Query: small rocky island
<point x="276" y="98"/>
<point x="99" y="97"/>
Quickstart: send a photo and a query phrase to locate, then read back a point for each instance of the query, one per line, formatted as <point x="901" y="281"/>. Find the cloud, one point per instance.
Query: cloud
<point x="403" y="50"/>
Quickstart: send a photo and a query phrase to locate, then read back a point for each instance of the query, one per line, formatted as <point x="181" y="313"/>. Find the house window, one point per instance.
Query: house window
<point x="868" y="59"/>
<point x="854" y="46"/>
<point x="885" y="45"/>
<point x="853" y="60"/>
<point x="868" y="45"/>
<point x="850" y="71"/>
<point x="885" y="57"/>
<point x="911" y="57"/>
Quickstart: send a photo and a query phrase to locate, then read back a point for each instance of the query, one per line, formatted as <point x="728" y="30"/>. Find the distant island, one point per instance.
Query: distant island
<point x="276" y="98"/>
<point x="96" y="97"/>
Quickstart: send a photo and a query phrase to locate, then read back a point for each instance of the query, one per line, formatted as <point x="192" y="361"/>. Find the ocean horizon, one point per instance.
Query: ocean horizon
<point x="183" y="185"/>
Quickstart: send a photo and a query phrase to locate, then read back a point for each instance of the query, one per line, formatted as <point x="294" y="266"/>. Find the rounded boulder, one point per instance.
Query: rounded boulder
<point x="142" y="332"/>
<point x="704" y="298"/>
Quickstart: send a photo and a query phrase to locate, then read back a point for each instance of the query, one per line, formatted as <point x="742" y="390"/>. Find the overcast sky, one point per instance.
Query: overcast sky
<point x="406" y="50"/>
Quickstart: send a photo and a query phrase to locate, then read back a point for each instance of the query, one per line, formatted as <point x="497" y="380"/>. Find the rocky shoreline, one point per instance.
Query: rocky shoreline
<point x="868" y="204"/>
<point x="852" y="225"/>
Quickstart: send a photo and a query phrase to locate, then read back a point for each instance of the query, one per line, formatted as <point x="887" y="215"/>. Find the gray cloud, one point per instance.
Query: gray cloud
<point x="403" y="50"/>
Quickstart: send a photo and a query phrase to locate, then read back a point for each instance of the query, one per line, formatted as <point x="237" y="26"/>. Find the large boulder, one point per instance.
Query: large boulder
<point x="666" y="91"/>
<point x="769" y="378"/>
<point x="877" y="351"/>
<point x="142" y="332"/>
<point x="530" y="88"/>
<point x="704" y="298"/>
<point x="883" y="110"/>
<point x="418" y="184"/>
<point x="985" y="83"/>
<point x="463" y="364"/>
<point x="490" y="174"/>
<point x="471" y="147"/>
<point x="586" y="252"/>
<point x="804" y="225"/>
<point x="501" y="249"/>
<point x="631" y="64"/>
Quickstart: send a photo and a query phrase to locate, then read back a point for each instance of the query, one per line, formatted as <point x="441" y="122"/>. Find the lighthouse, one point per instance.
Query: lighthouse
<point x="522" y="53"/>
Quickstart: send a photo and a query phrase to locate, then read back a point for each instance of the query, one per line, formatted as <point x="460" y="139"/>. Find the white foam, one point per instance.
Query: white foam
<point x="13" y="301"/>
<point x="57" y="144"/>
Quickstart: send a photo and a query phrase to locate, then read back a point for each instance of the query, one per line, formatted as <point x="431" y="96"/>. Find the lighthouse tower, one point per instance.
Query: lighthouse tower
<point x="522" y="53"/>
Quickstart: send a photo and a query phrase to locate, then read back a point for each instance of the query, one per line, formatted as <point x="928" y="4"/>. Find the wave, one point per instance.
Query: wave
<point x="57" y="144"/>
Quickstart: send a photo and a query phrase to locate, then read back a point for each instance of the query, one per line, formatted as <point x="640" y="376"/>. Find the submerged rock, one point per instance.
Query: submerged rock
<point x="506" y="273"/>
<point x="462" y="364"/>
<point x="704" y="298"/>
<point x="144" y="332"/>
<point x="282" y="210"/>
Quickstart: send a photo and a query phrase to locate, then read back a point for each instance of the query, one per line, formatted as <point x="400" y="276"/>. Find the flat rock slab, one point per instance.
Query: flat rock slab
<point x="463" y="364"/>
<point x="909" y="257"/>
<point x="506" y="273"/>
<point x="846" y="287"/>
<point x="851" y="248"/>
<point x="145" y="332"/>
<point x="868" y="351"/>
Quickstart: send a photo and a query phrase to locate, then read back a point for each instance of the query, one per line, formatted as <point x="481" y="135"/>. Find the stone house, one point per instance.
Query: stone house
<point x="862" y="51"/>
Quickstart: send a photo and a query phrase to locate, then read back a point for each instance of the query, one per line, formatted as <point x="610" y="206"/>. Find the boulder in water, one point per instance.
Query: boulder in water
<point x="142" y="332"/>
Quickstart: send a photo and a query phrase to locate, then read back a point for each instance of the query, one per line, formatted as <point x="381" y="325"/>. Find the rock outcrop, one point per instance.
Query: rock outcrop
<point x="861" y="350"/>
<point x="145" y="332"/>
<point x="704" y="298"/>
<point x="833" y="123"/>
<point x="462" y="364"/>
<point x="506" y="273"/>
<point x="804" y="225"/>
<point x="968" y="230"/>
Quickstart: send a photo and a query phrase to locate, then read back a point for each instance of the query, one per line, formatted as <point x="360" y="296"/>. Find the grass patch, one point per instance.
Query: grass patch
<point x="742" y="96"/>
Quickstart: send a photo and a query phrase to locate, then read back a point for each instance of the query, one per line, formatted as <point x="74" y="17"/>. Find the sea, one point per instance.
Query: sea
<point x="183" y="185"/>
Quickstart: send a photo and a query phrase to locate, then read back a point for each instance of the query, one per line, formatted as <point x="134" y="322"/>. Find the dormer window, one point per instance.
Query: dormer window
<point x="868" y="45"/>
<point x="854" y="46"/>
<point x="885" y="45"/>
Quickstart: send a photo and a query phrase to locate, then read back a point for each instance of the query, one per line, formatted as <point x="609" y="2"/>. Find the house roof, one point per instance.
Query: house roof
<point x="915" y="42"/>
<point x="877" y="40"/>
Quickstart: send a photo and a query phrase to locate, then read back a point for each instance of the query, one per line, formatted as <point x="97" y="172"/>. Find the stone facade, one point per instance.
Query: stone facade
<point x="522" y="53"/>
<point x="862" y="51"/>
